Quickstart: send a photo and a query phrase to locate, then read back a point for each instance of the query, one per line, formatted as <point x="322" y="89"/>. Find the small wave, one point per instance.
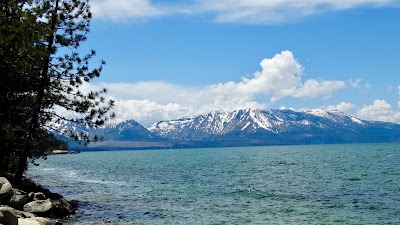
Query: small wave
<point x="79" y="178"/>
<point x="48" y="169"/>
<point x="118" y="183"/>
<point x="70" y="174"/>
<point x="248" y="190"/>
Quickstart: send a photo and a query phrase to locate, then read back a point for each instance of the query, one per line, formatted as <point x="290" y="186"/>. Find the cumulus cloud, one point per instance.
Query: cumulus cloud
<point x="242" y="11"/>
<point x="343" y="107"/>
<point x="147" y="112"/>
<point x="313" y="88"/>
<point x="379" y="110"/>
<point x="149" y="102"/>
<point x="280" y="77"/>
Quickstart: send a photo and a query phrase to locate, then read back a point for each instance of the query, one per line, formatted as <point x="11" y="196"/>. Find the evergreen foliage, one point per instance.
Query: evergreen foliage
<point x="42" y="75"/>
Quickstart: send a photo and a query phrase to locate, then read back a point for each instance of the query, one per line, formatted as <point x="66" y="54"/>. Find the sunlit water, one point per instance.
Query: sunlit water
<point x="321" y="184"/>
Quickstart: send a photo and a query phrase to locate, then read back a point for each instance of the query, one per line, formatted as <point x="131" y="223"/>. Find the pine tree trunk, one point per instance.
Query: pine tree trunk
<point x="34" y="123"/>
<point x="4" y="155"/>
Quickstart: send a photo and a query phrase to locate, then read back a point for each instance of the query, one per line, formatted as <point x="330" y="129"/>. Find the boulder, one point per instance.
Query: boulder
<point x="18" y="199"/>
<point x="8" y="218"/>
<point x="37" y="221"/>
<point x="5" y="188"/>
<point x="39" y="207"/>
<point x="39" y="196"/>
<point x="62" y="208"/>
<point x="19" y="214"/>
<point x="30" y="196"/>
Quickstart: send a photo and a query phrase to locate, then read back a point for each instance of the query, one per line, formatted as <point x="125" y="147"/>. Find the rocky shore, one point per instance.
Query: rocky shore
<point x="31" y="204"/>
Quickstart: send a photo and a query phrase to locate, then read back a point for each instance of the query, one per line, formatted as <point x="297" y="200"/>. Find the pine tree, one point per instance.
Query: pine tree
<point x="17" y="77"/>
<point x="51" y="71"/>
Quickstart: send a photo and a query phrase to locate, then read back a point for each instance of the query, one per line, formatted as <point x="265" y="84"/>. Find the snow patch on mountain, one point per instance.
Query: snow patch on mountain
<point x="251" y="121"/>
<point x="249" y="127"/>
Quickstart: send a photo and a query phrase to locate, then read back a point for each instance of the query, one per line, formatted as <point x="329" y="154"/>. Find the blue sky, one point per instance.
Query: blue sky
<point x="169" y="59"/>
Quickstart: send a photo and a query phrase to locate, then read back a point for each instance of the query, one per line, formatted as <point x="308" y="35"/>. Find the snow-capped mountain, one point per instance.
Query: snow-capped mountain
<point x="125" y="135"/>
<point x="243" y="128"/>
<point x="257" y="127"/>
<point x="128" y="130"/>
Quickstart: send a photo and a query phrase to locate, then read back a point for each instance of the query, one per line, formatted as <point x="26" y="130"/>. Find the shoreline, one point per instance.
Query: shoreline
<point x="30" y="203"/>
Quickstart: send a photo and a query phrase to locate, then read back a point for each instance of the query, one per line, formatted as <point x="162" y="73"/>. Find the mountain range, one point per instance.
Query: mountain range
<point x="247" y="127"/>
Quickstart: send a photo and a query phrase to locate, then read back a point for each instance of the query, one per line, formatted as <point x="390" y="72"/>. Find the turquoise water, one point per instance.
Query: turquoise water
<point x="321" y="184"/>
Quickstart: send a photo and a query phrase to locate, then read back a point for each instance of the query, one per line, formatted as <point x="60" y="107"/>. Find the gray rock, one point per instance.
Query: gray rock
<point x="62" y="208"/>
<point x="19" y="214"/>
<point x="39" y="196"/>
<point x="5" y="188"/>
<point x="37" y="221"/>
<point x="18" y="199"/>
<point x="30" y="196"/>
<point x="8" y="218"/>
<point x="39" y="207"/>
<point x="22" y="218"/>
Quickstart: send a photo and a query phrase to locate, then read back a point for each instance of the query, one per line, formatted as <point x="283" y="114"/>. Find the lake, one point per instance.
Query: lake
<point x="310" y="184"/>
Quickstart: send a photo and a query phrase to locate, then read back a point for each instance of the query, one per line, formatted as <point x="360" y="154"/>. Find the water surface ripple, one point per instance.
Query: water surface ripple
<point x="318" y="184"/>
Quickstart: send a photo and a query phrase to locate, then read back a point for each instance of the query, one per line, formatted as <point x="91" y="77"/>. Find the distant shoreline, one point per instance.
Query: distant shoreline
<point x="199" y="145"/>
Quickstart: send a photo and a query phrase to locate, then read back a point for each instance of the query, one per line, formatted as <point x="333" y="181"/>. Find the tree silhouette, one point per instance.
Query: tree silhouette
<point x="44" y="73"/>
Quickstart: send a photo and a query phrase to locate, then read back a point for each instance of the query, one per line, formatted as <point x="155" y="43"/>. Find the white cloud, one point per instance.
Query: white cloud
<point x="131" y="10"/>
<point x="313" y="89"/>
<point x="284" y="108"/>
<point x="398" y="103"/>
<point x="380" y="110"/>
<point x="124" y="9"/>
<point x="343" y="107"/>
<point x="280" y="77"/>
<point x="278" y="11"/>
<point x="242" y="11"/>
<point x="147" y="112"/>
<point x="359" y="83"/>
<point x="356" y="83"/>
